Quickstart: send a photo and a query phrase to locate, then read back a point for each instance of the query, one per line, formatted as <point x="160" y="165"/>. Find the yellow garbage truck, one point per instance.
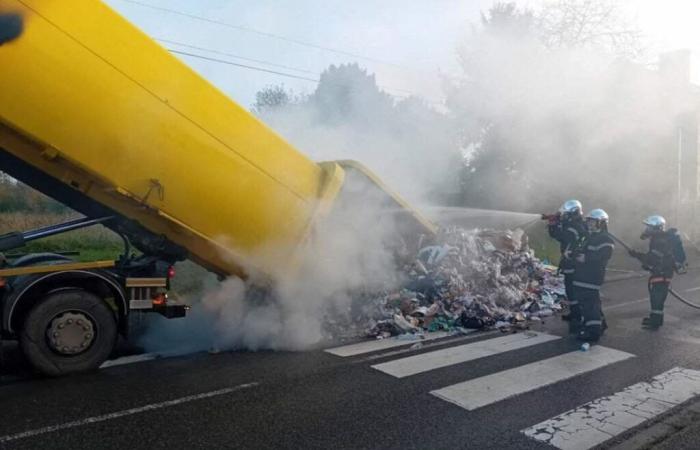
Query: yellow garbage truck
<point x="98" y="116"/>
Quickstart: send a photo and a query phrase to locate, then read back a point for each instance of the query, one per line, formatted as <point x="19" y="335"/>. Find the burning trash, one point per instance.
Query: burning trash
<point x="468" y="279"/>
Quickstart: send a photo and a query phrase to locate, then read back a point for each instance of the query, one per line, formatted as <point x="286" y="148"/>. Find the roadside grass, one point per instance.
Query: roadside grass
<point x="94" y="243"/>
<point x="546" y="248"/>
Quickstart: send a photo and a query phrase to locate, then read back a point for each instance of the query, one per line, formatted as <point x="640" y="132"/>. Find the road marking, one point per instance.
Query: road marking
<point x="462" y="337"/>
<point x="126" y="412"/>
<point x="129" y="360"/>
<point x="382" y="344"/>
<point x="602" y="419"/>
<point x="622" y="305"/>
<point x="474" y="394"/>
<point x="425" y="362"/>
<point x="693" y="289"/>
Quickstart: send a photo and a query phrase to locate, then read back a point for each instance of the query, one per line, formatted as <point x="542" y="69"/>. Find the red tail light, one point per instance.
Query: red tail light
<point x="160" y="299"/>
<point x="171" y="272"/>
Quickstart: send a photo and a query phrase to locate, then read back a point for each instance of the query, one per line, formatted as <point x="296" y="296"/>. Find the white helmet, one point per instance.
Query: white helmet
<point x="656" y="222"/>
<point x="571" y="207"/>
<point x="598" y="215"/>
<point x="597" y="220"/>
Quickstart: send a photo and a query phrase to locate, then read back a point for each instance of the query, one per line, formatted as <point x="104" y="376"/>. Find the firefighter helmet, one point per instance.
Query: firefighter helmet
<point x="598" y="215"/>
<point x="597" y="220"/>
<point x="655" y="222"/>
<point x="572" y="207"/>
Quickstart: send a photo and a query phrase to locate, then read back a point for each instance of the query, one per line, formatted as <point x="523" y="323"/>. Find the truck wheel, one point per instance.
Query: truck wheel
<point x="68" y="331"/>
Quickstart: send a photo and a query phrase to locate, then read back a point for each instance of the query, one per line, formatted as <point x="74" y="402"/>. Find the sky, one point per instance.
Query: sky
<point x="409" y="45"/>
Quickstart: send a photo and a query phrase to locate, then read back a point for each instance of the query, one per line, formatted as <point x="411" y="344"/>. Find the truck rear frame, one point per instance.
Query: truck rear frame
<point x="67" y="315"/>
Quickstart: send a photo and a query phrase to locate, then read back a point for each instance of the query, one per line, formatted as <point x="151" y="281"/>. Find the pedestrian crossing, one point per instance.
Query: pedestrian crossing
<point x="597" y="421"/>
<point x="381" y="344"/>
<point x="426" y="362"/>
<point x="474" y="394"/>
<point x="583" y="427"/>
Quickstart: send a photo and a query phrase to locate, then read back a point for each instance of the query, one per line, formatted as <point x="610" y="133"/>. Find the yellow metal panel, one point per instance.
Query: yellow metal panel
<point x="55" y="268"/>
<point x="425" y="225"/>
<point x="111" y="104"/>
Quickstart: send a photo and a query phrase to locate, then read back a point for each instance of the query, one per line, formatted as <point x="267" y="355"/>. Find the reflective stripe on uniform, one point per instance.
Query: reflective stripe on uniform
<point x="567" y="271"/>
<point x="595" y="287"/>
<point x="658" y="312"/>
<point x="573" y="230"/>
<point x="658" y="253"/>
<point x="595" y="248"/>
<point x="573" y="303"/>
<point x="591" y="323"/>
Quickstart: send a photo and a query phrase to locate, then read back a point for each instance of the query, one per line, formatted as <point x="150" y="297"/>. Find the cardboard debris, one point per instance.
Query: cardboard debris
<point x="468" y="279"/>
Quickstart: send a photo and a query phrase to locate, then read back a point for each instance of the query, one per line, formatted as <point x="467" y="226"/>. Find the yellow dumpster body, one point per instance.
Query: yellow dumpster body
<point x="89" y="101"/>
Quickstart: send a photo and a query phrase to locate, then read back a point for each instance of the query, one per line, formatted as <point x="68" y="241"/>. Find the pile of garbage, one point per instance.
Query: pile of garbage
<point x="468" y="279"/>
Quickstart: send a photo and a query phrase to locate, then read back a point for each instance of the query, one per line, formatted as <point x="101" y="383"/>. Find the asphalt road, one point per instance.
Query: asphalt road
<point x="316" y="399"/>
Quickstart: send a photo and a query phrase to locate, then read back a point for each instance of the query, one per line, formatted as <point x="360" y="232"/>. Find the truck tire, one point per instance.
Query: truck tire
<point x="68" y="331"/>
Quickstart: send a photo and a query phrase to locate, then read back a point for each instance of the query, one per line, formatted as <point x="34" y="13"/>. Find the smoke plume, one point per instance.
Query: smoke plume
<point x="526" y="126"/>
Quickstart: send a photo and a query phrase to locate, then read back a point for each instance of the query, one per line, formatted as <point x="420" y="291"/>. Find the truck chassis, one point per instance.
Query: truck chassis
<point x="67" y="315"/>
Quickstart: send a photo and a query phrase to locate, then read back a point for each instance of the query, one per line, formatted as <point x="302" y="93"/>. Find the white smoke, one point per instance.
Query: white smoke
<point x="580" y="123"/>
<point x="348" y="253"/>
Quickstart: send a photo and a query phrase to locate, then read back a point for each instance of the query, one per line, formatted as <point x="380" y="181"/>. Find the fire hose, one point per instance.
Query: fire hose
<point x="673" y="293"/>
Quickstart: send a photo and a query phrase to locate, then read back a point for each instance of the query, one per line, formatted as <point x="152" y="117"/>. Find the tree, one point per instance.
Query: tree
<point x="549" y="109"/>
<point x="409" y="144"/>
<point x="272" y="98"/>
<point x="589" y="23"/>
<point x="506" y="19"/>
<point x="347" y="93"/>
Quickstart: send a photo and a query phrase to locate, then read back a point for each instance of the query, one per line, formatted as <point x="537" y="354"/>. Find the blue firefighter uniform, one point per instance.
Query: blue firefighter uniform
<point x="589" y="276"/>
<point x="570" y="234"/>
<point x="664" y="256"/>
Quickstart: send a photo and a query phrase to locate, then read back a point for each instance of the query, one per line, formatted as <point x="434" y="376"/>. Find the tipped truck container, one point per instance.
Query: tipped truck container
<point x="97" y="115"/>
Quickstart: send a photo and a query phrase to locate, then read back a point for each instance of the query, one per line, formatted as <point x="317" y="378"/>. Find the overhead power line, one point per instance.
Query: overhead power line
<point x="276" y="72"/>
<point x="262" y="33"/>
<point x="245" y="66"/>
<point x="244" y="58"/>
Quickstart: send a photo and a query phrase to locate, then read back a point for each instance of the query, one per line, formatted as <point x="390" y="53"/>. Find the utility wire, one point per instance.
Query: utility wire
<point x="263" y="33"/>
<point x="269" y="35"/>
<point x="283" y="74"/>
<point x="245" y="66"/>
<point x="258" y="61"/>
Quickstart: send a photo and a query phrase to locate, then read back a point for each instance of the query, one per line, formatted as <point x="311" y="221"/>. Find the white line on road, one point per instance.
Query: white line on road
<point x="474" y="394"/>
<point x="602" y="419"/>
<point x="425" y="362"/>
<point x="622" y="305"/>
<point x="461" y="337"/>
<point x="382" y="344"/>
<point x="693" y="289"/>
<point x="126" y="412"/>
<point x="129" y="360"/>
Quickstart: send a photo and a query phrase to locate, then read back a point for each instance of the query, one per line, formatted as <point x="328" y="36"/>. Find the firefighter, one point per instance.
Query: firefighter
<point x="589" y="273"/>
<point x="665" y="255"/>
<point x="568" y="228"/>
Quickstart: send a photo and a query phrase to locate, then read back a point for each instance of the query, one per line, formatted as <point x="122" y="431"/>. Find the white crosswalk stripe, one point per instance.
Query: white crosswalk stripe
<point x="602" y="419"/>
<point x="499" y="386"/>
<point x="584" y="427"/>
<point x="381" y="344"/>
<point x="425" y="362"/>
